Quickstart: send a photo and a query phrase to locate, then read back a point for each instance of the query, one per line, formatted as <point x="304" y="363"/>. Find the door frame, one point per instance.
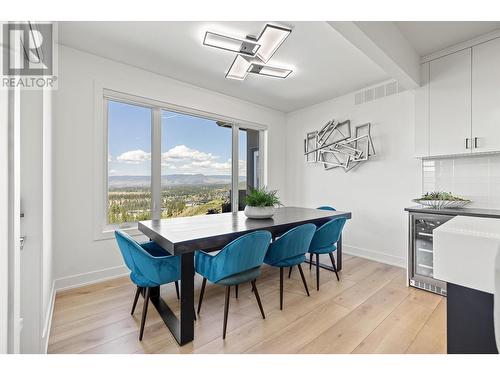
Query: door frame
<point x="10" y="222"/>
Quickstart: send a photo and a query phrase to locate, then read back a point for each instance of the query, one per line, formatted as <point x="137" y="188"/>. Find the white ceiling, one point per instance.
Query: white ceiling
<point x="427" y="37"/>
<point x="324" y="64"/>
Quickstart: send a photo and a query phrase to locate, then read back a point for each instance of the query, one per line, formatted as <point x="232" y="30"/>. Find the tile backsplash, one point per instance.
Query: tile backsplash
<point x="474" y="177"/>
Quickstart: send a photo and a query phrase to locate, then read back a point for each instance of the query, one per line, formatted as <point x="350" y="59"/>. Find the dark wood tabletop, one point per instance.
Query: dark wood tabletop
<point x="187" y="234"/>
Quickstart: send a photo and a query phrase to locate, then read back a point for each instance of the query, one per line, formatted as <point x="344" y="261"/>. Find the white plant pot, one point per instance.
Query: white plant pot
<point x="259" y="212"/>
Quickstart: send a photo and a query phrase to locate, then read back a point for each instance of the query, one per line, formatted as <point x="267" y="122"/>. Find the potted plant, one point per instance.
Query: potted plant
<point x="441" y="199"/>
<point x="260" y="203"/>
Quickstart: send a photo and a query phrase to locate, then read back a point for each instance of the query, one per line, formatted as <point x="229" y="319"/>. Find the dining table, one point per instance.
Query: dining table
<point x="183" y="236"/>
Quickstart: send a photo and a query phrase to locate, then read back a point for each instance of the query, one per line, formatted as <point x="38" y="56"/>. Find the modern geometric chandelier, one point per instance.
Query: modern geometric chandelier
<point x="253" y="53"/>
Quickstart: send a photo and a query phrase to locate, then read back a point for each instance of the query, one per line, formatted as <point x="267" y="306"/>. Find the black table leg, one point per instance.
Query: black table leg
<point x="339" y="254"/>
<point x="183" y="328"/>
<point x="339" y="258"/>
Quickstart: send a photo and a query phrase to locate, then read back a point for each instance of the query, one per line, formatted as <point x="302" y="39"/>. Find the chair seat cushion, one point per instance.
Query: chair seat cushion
<point x="242" y="277"/>
<point x="288" y="262"/>
<point x="141" y="281"/>
<point x="324" y="250"/>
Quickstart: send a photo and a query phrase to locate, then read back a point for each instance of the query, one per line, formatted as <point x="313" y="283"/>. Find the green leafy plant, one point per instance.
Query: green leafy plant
<point x="262" y="198"/>
<point x="441" y="196"/>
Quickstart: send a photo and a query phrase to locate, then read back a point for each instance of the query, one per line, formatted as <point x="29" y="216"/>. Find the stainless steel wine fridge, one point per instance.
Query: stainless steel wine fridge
<point x="421" y="254"/>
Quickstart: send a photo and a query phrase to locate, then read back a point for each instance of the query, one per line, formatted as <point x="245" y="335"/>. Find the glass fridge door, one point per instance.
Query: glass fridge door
<point x="423" y="257"/>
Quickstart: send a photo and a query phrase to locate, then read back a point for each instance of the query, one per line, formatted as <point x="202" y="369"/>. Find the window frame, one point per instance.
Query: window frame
<point x="103" y="230"/>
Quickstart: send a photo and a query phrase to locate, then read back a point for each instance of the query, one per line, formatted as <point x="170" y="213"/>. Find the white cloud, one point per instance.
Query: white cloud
<point x="194" y="161"/>
<point x="134" y="157"/>
<point x="185" y="154"/>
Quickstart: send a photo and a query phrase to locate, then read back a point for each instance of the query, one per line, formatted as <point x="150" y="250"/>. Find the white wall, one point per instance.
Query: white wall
<point x="78" y="257"/>
<point x="377" y="192"/>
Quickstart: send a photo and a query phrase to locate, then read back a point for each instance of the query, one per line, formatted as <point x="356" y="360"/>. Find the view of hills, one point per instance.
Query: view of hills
<point x="171" y="179"/>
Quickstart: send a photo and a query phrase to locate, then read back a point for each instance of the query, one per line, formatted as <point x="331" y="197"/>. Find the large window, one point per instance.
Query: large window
<point x="163" y="163"/>
<point x="195" y="165"/>
<point x="129" y="163"/>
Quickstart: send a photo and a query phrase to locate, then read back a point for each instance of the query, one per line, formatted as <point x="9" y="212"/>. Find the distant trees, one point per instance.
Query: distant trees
<point x="131" y="204"/>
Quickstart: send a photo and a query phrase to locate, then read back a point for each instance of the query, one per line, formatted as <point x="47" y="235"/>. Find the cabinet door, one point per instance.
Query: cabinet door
<point x="486" y="96"/>
<point x="422" y="113"/>
<point x="450" y="104"/>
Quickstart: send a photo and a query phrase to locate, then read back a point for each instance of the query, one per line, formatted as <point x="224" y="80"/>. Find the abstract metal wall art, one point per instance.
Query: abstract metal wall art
<point x="334" y="147"/>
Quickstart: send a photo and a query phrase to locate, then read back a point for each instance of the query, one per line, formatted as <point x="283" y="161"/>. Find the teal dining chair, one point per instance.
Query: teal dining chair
<point x="326" y="208"/>
<point x="324" y="242"/>
<point x="289" y="250"/>
<point x="150" y="266"/>
<point x="238" y="262"/>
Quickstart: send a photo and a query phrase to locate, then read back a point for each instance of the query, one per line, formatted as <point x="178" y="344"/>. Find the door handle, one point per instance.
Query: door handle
<point x="467" y="143"/>
<point x="21" y="242"/>
<point x="475" y="142"/>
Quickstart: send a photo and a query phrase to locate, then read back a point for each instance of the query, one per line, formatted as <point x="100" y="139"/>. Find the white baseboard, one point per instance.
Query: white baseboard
<point x="75" y="281"/>
<point x="375" y="255"/>
<point x="48" y="320"/>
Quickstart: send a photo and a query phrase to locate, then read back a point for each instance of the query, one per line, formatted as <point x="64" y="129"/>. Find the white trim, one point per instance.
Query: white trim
<point x="461" y="46"/>
<point x="151" y="103"/>
<point x="88" y="278"/>
<point x="375" y="256"/>
<point x="48" y="321"/>
<point x="4" y="219"/>
<point x="156" y="163"/>
<point x="235" y="161"/>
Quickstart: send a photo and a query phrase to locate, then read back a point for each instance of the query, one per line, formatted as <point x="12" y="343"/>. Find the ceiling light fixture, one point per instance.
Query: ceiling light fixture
<point x="271" y="38"/>
<point x="239" y="68"/>
<point x="270" y="71"/>
<point x="253" y="53"/>
<point x="228" y="43"/>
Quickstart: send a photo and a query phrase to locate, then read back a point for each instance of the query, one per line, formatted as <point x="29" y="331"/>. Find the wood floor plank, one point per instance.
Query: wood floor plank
<point x="432" y="337"/>
<point x="294" y="337"/>
<point x="397" y="331"/>
<point x="349" y="332"/>
<point x="370" y="310"/>
<point x="365" y="288"/>
<point x="251" y="334"/>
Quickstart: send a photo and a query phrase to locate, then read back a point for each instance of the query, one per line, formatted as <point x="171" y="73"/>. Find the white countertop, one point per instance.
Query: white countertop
<point x="465" y="252"/>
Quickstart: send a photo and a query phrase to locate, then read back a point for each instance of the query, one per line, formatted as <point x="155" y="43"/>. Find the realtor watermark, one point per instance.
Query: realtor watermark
<point x="29" y="58"/>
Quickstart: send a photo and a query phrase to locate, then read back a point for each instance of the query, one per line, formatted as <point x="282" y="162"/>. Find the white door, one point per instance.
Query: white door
<point x="450" y="104"/>
<point x="10" y="321"/>
<point x="486" y="96"/>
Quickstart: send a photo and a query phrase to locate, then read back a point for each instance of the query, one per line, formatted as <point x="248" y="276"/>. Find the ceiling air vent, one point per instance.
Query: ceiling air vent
<point x="377" y="92"/>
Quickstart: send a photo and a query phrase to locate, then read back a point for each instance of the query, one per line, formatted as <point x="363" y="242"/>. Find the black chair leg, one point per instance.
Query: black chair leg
<point x="177" y="289"/>
<point x="135" y="299"/>
<point x="317" y="271"/>
<point x="310" y="261"/>
<point x="144" y="313"/>
<point x="290" y="271"/>
<point x="257" y="297"/>
<point x="202" y="291"/>
<point x="281" y="288"/>
<point x="226" y="309"/>
<point x="303" y="279"/>
<point x="236" y="291"/>
<point x="334" y="266"/>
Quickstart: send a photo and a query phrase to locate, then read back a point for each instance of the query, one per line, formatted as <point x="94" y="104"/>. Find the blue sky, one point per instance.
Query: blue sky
<point x="189" y="144"/>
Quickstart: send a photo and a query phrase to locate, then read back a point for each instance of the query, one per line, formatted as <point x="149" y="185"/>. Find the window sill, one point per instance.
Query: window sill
<point x="108" y="233"/>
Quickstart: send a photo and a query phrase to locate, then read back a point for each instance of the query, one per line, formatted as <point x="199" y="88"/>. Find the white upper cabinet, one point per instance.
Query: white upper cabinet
<point x="450" y="104"/>
<point x="486" y="96"/>
<point x="422" y="113"/>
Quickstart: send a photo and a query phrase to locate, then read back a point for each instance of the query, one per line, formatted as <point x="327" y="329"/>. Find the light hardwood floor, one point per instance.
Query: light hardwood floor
<point x="369" y="311"/>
